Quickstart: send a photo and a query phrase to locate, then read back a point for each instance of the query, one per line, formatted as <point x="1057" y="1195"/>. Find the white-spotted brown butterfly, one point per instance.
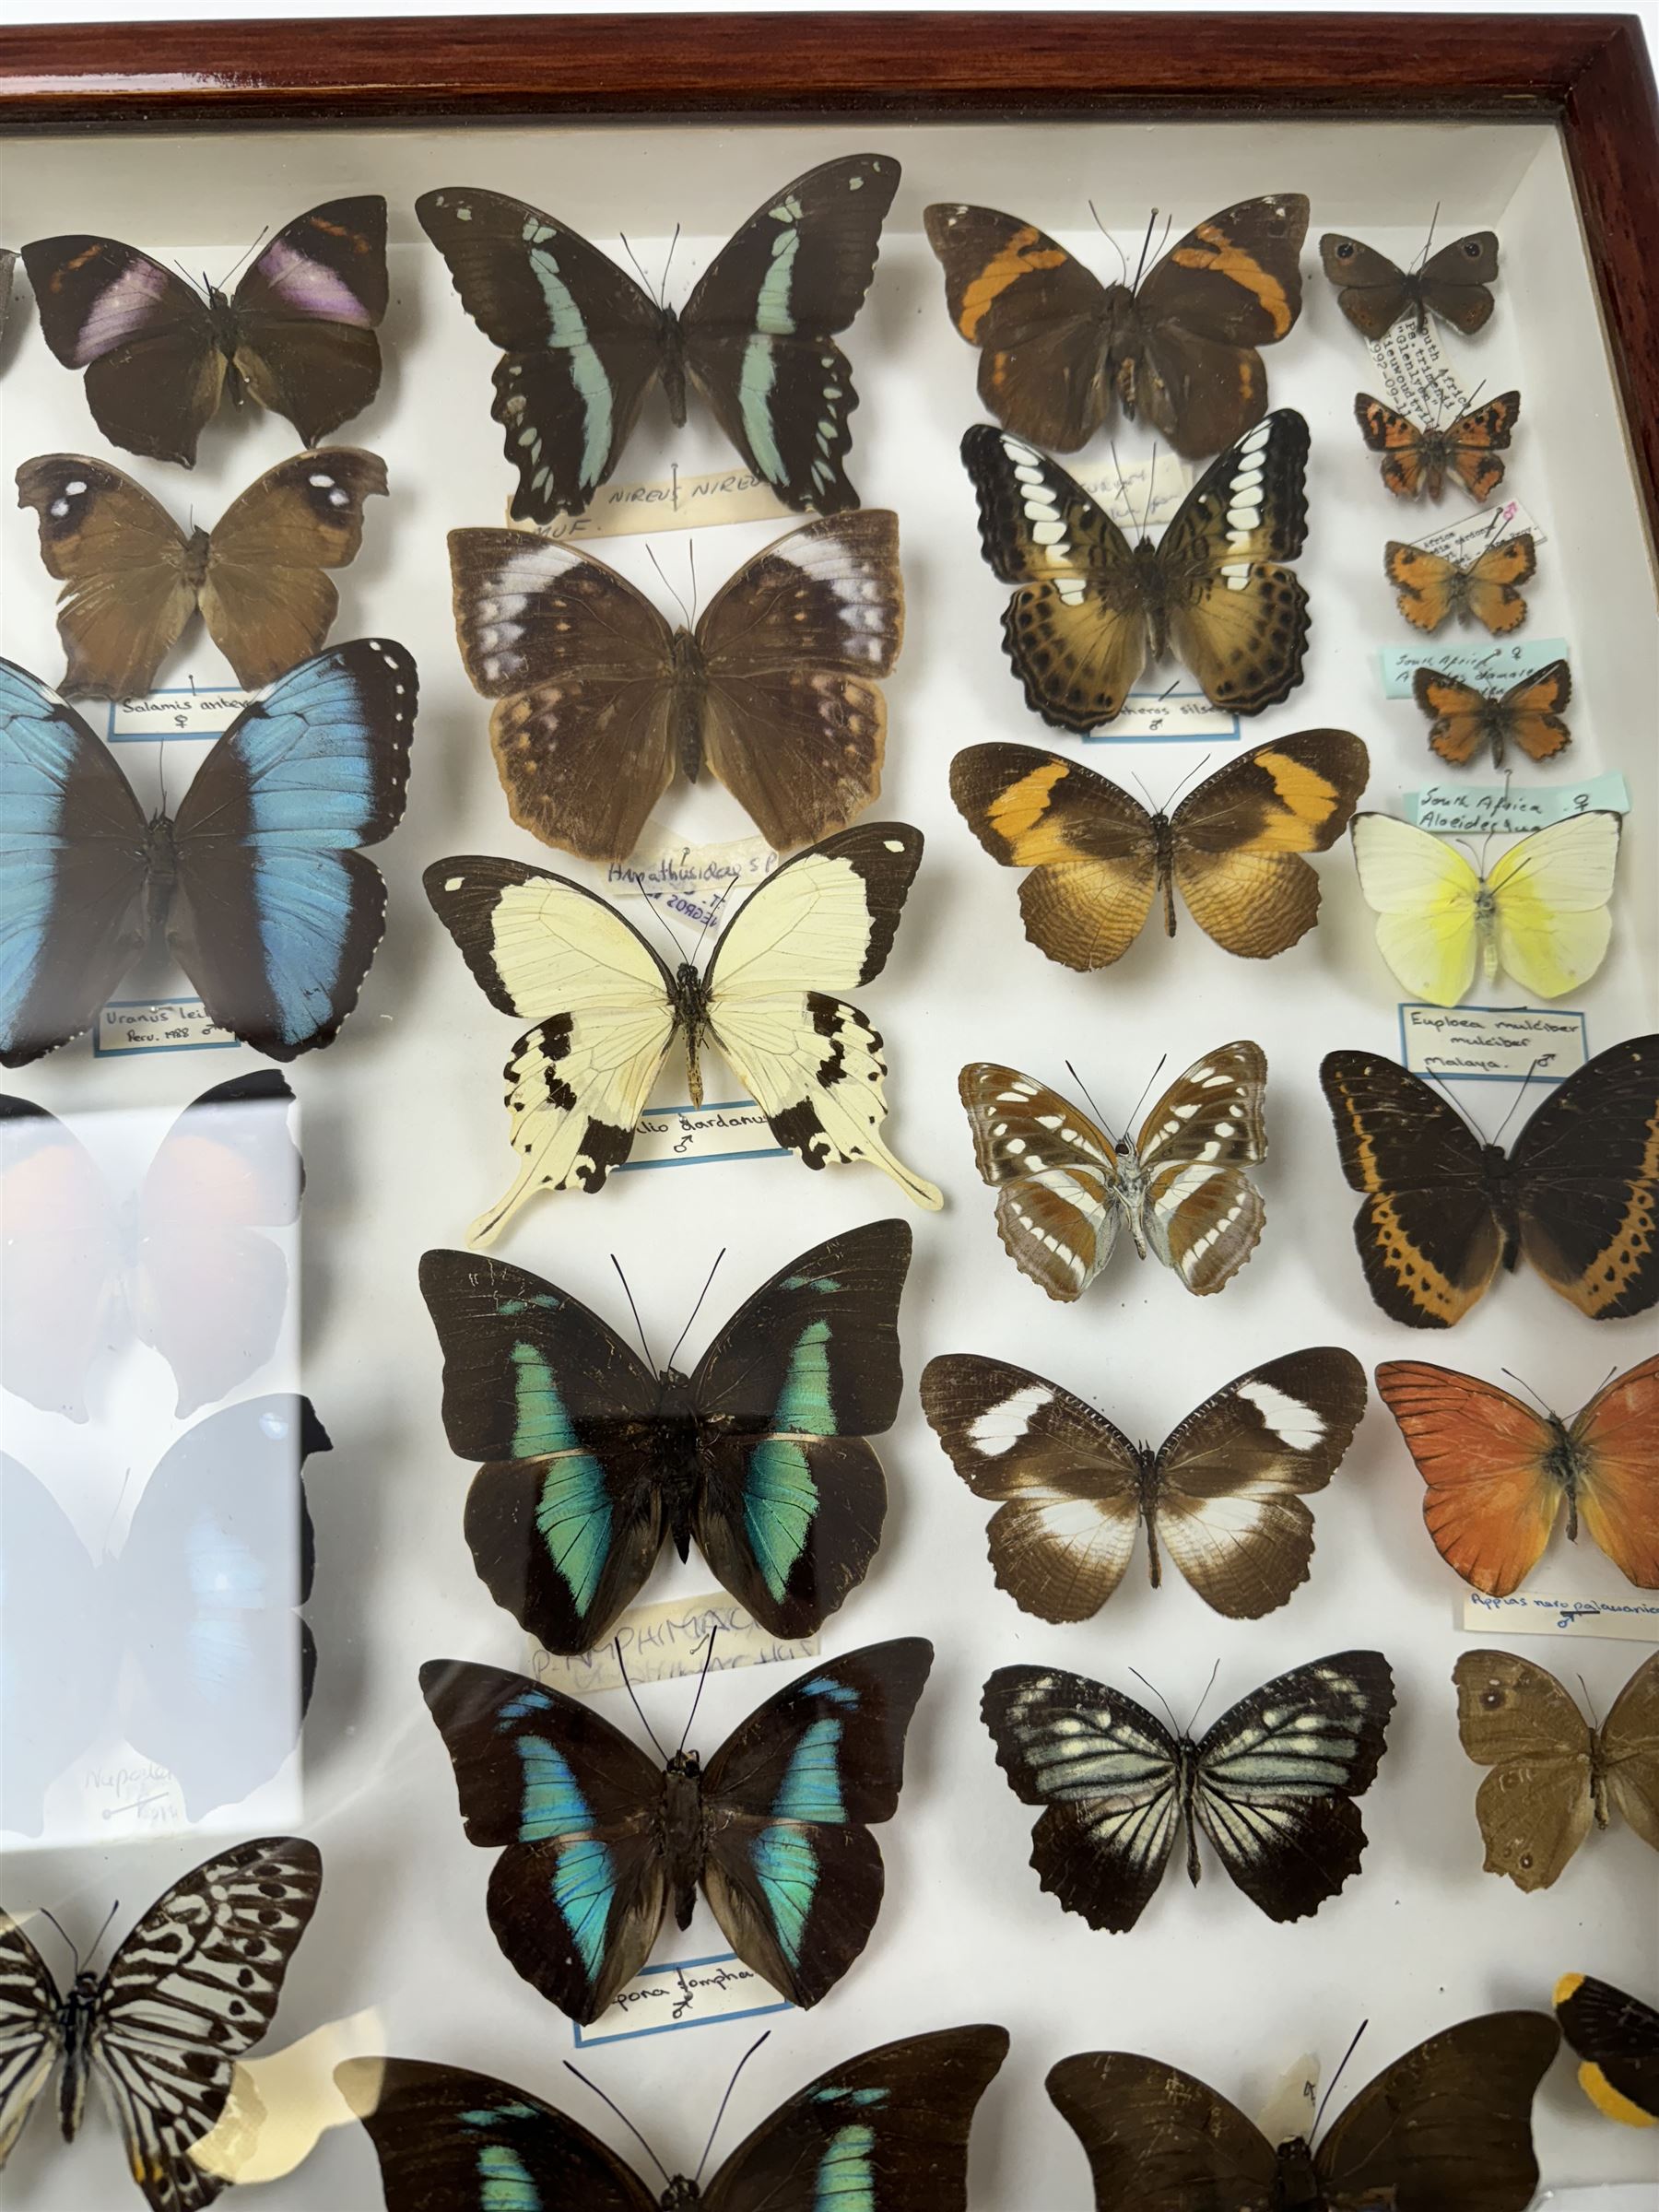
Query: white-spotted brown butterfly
<point x="1090" y="610"/>
<point x="1065" y="1188"/>
<point x="1375" y="293"/>
<point x="1419" y="458"/>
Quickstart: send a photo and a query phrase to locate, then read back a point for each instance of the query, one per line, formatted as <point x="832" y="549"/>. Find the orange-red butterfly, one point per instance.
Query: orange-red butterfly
<point x="1498" y="1474"/>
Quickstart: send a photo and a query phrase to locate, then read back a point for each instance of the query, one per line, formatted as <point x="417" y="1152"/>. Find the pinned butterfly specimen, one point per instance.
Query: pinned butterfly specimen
<point x="1098" y="858"/>
<point x="1446" y="2128"/>
<point x="194" y="1986"/>
<point x="1224" y="1492"/>
<point x="583" y="344"/>
<point x="593" y="1460"/>
<point x="773" y="691"/>
<point x="1577" y="1195"/>
<point x="1375" y="293"/>
<point x="1272" y="1785"/>
<point x="1418" y="459"/>
<point x="1616" y="2037"/>
<point x="1540" y="915"/>
<point x="1057" y="346"/>
<point x="1553" y="1773"/>
<point x="180" y="1264"/>
<point x="884" y="2132"/>
<point x="1498" y="1474"/>
<point x="1431" y="590"/>
<point x="133" y="580"/>
<point x="188" y="1643"/>
<point x="1464" y="718"/>
<point x="1090" y="610"/>
<point x="297" y="336"/>
<point x="257" y="882"/>
<point x="600" y="1839"/>
<point x="607" y="1009"/>
<point x="1063" y="1187"/>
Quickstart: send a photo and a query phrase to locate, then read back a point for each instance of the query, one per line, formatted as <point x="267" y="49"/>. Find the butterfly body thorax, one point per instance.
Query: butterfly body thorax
<point x="688" y="994"/>
<point x="1186" y="1795"/>
<point x="75" y="2019"/>
<point x="1163" y="861"/>
<point x="1562" y="1462"/>
<point x="684" y="1836"/>
<point x="221" y="315"/>
<point x="671" y="366"/>
<point x="689" y="680"/>
<point x="1145" y="1476"/>
<point x="1296" y="2181"/>
<point x="193" y="560"/>
<point x="679" y="2191"/>
<point x="676" y="1441"/>
<point x="1130" y="1196"/>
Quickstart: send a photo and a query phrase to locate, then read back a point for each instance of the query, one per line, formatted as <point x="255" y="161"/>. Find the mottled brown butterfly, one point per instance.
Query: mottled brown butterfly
<point x="1465" y="718"/>
<point x="1418" y="459"/>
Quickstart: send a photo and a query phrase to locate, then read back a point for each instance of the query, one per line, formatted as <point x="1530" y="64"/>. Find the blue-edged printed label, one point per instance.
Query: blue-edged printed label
<point x="1632" y="1619"/>
<point x="1493" y="666"/>
<point x="1493" y="1045"/>
<point x="1174" y="716"/>
<point x="154" y="717"/>
<point x="1502" y="810"/>
<point x="157" y="1025"/>
<point x="692" y="1136"/>
<point x="685" y="1993"/>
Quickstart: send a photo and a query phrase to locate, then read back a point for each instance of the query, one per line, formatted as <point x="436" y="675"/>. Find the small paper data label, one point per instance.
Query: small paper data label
<point x="692" y="1136"/>
<point x="1497" y="666"/>
<point x="1464" y="541"/>
<point x="1492" y="1044"/>
<point x="1633" y="1619"/>
<point x="701" y="877"/>
<point x="155" y="716"/>
<point x="157" y="1025"/>
<point x="1415" y="374"/>
<point x="1500" y="810"/>
<point x="1166" y="717"/>
<point x="693" y="1993"/>
<point x="1140" y="495"/>
<point x="132" y="1798"/>
<point x="1290" y="2111"/>
<point x="280" y="2108"/>
<point x="663" y="1641"/>
<point x="671" y="502"/>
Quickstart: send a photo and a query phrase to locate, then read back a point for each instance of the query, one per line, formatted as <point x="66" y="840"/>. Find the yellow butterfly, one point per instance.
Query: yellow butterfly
<point x="1541" y="916"/>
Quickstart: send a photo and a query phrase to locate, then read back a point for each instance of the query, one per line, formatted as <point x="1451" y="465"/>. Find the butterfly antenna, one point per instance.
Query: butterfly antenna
<point x="673" y="593"/>
<point x="697" y="1701"/>
<point x="1336" y="2078"/>
<point x="698" y="1307"/>
<point x="627" y="2122"/>
<point x="634" y="1310"/>
<point x="712" y="917"/>
<point x="650" y="899"/>
<point x="1158" y="1693"/>
<point x="691" y="562"/>
<point x="1146" y="520"/>
<point x="727" y="2099"/>
<point x="1203" y="1700"/>
<point x="1146" y="248"/>
<point x="1527" y="1387"/>
<point x="1128" y="504"/>
<point x="639" y="272"/>
<point x="640" y="1709"/>
<point x="264" y="232"/>
<point x="1532" y="1066"/>
<point x="103" y="1931"/>
<point x="1170" y="802"/>
<point x="667" y="265"/>
<point x="1590" y="1704"/>
<point x="1083" y="1087"/>
<point x="1428" y="242"/>
<point x="1146" y="1086"/>
<point x="1111" y="241"/>
<point x="64" y="1931"/>
<point x="1458" y="1108"/>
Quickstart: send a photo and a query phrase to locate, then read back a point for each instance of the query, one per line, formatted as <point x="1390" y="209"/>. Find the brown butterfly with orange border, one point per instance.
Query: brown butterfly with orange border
<point x="1465" y="718"/>
<point x="1431" y="589"/>
<point x="1418" y="458"/>
<point x="1057" y="346"/>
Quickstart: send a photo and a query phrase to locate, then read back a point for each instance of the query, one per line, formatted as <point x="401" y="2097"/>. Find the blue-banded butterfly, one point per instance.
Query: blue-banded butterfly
<point x="592" y="1459"/>
<point x="598" y="1841"/>
<point x="297" y="336"/>
<point x="187" y="1643"/>
<point x="884" y="2132"/>
<point x="194" y="1984"/>
<point x="257" y="882"/>
<point x="583" y="343"/>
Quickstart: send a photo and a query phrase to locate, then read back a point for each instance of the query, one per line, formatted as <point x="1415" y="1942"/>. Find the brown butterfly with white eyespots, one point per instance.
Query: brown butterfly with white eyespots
<point x="1063" y="1187"/>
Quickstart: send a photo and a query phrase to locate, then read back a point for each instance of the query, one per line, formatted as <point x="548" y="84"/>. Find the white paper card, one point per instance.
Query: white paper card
<point x="1138" y="497"/>
<point x="1495" y="666"/>
<point x="1633" y="1619"/>
<point x="1492" y="1044"/>
<point x="1499" y="810"/>
<point x="688" y="1137"/>
<point x="1290" y="2112"/>
<point x="666" y="867"/>
<point x="1603" y="2197"/>
<point x="1170" y="717"/>
<point x="1466" y="540"/>
<point x="663" y="1641"/>
<point x="1414" y="373"/>
<point x="155" y="716"/>
<point x="693" y="1993"/>
<point x="157" y="1025"/>
<point x="670" y="502"/>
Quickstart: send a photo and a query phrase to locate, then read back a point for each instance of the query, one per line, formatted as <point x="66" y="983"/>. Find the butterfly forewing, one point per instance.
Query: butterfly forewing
<point x="1197" y="1209"/>
<point x="31" y="2036"/>
<point x="1156" y="2140"/>
<point x="1059" y="1194"/>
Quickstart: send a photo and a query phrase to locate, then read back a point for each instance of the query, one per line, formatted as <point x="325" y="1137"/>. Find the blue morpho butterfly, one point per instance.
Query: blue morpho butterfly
<point x="264" y="900"/>
<point x="884" y="2132"/>
<point x="599" y="1839"/>
<point x="761" y="1454"/>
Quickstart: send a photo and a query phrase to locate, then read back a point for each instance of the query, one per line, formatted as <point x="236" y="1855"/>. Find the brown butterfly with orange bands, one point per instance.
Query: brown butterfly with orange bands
<point x="1485" y="590"/>
<point x="1464" y="719"/>
<point x="1098" y="858"/>
<point x="1416" y="459"/>
<point x="1498" y="1474"/>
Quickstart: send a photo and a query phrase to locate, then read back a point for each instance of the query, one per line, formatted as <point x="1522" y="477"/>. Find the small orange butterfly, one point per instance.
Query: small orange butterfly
<point x="1430" y="587"/>
<point x="1465" y="718"/>
<point x="1417" y="459"/>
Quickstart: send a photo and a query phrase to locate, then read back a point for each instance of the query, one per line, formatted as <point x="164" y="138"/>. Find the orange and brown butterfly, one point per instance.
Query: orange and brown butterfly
<point x="1098" y="858"/>
<point x="1500" y="1474"/>
<point x="1486" y="590"/>
<point x="1616" y="2038"/>
<point x="1375" y="293"/>
<point x="1465" y="718"/>
<point x="1418" y="458"/>
<point x="1057" y="346"/>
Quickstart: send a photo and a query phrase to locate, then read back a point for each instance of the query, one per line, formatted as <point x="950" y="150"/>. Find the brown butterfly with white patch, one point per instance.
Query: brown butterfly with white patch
<point x="1065" y="1188"/>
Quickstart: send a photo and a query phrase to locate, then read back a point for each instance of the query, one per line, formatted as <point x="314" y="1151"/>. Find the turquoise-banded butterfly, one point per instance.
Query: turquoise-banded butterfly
<point x="884" y="2132"/>
<point x="583" y="343"/>
<point x="592" y="1459"/>
<point x="598" y="1839"/>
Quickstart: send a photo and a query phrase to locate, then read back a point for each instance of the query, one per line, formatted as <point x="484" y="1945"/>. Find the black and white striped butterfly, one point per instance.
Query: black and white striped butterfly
<point x="193" y="1986"/>
<point x="1272" y="1785"/>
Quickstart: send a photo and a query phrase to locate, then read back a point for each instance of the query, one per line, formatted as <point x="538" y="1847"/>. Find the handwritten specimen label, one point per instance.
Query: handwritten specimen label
<point x="1499" y="809"/>
<point x="1632" y="1619"/>
<point x="691" y="880"/>
<point x="155" y="716"/>
<point x="1494" y="666"/>
<point x="693" y="1993"/>
<point x="1170" y="717"/>
<point x="663" y="1641"/>
<point x="686" y="1136"/>
<point x="1492" y="1044"/>
<point x="1414" y="375"/>
<point x="1466" y="540"/>
<point x="157" y="1025"/>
